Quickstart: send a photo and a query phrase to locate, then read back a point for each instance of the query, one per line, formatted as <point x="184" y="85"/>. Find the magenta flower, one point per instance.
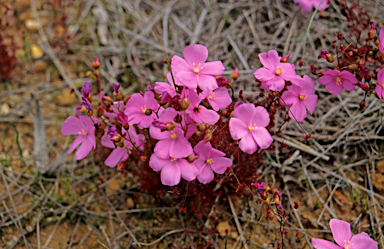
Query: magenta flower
<point x="218" y="99"/>
<point x="86" y="89"/>
<point x="210" y="160"/>
<point x="380" y="84"/>
<point x="309" y="5"/>
<point x="139" y="109"/>
<point x="274" y="73"/>
<point x="193" y="71"/>
<point x="173" y="169"/>
<point x="85" y="130"/>
<point x="341" y="231"/>
<point x="200" y="114"/>
<point x="120" y="154"/>
<point x="248" y="124"/>
<point x="117" y="107"/>
<point x="171" y="144"/>
<point x="168" y="87"/>
<point x="299" y="99"/>
<point x="335" y="81"/>
<point x="381" y="38"/>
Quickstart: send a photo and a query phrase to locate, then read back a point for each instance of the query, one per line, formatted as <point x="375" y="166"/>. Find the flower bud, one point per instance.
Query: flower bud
<point x="326" y="55"/>
<point x="122" y="118"/>
<point x="117" y="96"/>
<point x="222" y="81"/>
<point x="126" y="98"/>
<point x="198" y="133"/>
<point x="170" y="126"/>
<point x="96" y="63"/>
<point x="178" y="119"/>
<point x="99" y="111"/>
<point x="208" y="136"/>
<point x="88" y="74"/>
<point x="107" y="100"/>
<point x="352" y="67"/>
<point x="191" y="158"/>
<point x="86" y="89"/>
<point x="97" y="73"/>
<point x="372" y="31"/>
<point x="202" y="127"/>
<point x="285" y="58"/>
<point x="184" y="104"/>
<point x="362" y="104"/>
<point x="148" y="112"/>
<point x="121" y="166"/>
<point x="361" y="62"/>
<point x="235" y="74"/>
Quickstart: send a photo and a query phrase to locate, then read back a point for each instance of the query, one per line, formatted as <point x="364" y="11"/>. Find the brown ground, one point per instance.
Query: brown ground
<point x="92" y="206"/>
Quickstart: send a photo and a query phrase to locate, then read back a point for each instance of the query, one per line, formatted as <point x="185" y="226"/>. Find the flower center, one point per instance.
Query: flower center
<point x="83" y="132"/>
<point x="212" y="95"/>
<point x="348" y="244"/>
<point x="197" y="69"/>
<point x="252" y="127"/>
<point x="174" y="136"/>
<point x="382" y="85"/>
<point x="302" y="96"/>
<point x="279" y="71"/>
<point x="197" y="109"/>
<point x="209" y="161"/>
<point x="143" y="109"/>
<point x="173" y="159"/>
<point x="338" y="80"/>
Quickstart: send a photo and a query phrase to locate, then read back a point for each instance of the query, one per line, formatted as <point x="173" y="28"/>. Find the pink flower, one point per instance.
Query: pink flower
<point x="171" y="143"/>
<point x="218" y="99"/>
<point x="173" y="169"/>
<point x="117" y="107"/>
<point x="274" y="73"/>
<point x="193" y="71"/>
<point x="308" y="5"/>
<point x="85" y="130"/>
<point x="248" y="124"/>
<point x="299" y="99"/>
<point x="381" y="38"/>
<point x="199" y="113"/>
<point x="380" y="84"/>
<point x="341" y="231"/>
<point x="168" y="87"/>
<point x="210" y="160"/>
<point x="139" y="109"/>
<point x="335" y="80"/>
<point x="119" y="154"/>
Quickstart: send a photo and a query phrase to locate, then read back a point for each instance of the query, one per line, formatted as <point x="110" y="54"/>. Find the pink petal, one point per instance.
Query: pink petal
<point x="220" y="99"/>
<point x="75" y="143"/>
<point x="115" y="157"/>
<point x="341" y="231"/>
<point x="327" y="79"/>
<point x="324" y="244"/>
<point x="188" y="170"/>
<point x="161" y="87"/>
<point x="157" y="163"/>
<point x="216" y="153"/>
<point x="203" y="149"/>
<point x="208" y="116"/>
<point x="72" y="126"/>
<point x="206" y="82"/>
<point x="379" y="91"/>
<point x="298" y="112"/>
<point x="348" y="86"/>
<point x="195" y="54"/>
<point x="150" y="101"/>
<point x="191" y="130"/>
<point x="308" y="86"/>
<point x="264" y="74"/>
<point x="245" y="113"/>
<point x="180" y="147"/>
<point x="310" y="103"/>
<point x="381" y="44"/>
<point x="106" y="141"/>
<point x="276" y="84"/>
<point x="270" y="60"/>
<point x="333" y="73"/>
<point x="170" y="175"/>
<point x="347" y="76"/>
<point x="296" y="80"/>
<point x="363" y="241"/>
<point x="84" y="149"/>
<point x="248" y="143"/>
<point x="178" y="64"/>
<point x="261" y="118"/>
<point x="146" y="121"/>
<point x="188" y="79"/>
<point x="288" y="98"/>
<point x="220" y="164"/>
<point x="237" y="128"/>
<point x="262" y="137"/>
<point x="162" y="148"/>
<point x="213" y="68"/>
<point x="157" y="134"/>
<point x="334" y="88"/>
<point x="206" y="174"/>
<point x="380" y="76"/>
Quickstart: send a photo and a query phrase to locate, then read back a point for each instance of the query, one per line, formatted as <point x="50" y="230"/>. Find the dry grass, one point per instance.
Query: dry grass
<point x="337" y="174"/>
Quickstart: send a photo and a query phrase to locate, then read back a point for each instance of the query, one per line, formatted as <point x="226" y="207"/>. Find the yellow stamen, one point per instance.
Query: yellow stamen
<point x="252" y="127"/>
<point x="382" y="85"/>
<point x="196" y="70"/>
<point x="338" y="80"/>
<point x="82" y="132"/>
<point x="209" y="161"/>
<point x="143" y="109"/>
<point x="279" y="71"/>
<point x="302" y="96"/>
<point x="174" y="136"/>
<point x="212" y="95"/>
<point x="174" y="159"/>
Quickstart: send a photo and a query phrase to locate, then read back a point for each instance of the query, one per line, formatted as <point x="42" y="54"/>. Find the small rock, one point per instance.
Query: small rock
<point x="40" y="66"/>
<point x="31" y="24"/>
<point x="130" y="202"/>
<point x="4" y="109"/>
<point x="223" y="228"/>
<point x="36" y="51"/>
